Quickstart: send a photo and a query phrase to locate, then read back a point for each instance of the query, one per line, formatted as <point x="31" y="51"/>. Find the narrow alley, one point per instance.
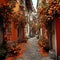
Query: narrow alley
<point x="32" y="51"/>
<point x="29" y="29"/>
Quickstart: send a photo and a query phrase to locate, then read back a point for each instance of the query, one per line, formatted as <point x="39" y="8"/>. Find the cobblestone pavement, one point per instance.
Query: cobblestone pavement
<point x="32" y="51"/>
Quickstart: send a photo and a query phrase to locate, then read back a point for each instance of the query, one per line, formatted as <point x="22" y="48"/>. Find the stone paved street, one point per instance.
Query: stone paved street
<point x="32" y="51"/>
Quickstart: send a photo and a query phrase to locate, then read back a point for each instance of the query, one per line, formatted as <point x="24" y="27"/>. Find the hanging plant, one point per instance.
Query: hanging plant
<point x="54" y="9"/>
<point x="5" y="11"/>
<point x="19" y="20"/>
<point x="51" y="11"/>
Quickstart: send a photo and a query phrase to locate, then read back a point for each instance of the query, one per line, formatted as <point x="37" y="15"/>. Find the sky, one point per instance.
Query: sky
<point x="34" y="3"/>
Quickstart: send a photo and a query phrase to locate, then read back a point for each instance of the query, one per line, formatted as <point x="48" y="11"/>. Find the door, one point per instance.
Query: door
<point x="58" y="35"/>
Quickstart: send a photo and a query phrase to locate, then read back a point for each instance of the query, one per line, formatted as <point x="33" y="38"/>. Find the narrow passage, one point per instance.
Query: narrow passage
<point x="32" y="51"/>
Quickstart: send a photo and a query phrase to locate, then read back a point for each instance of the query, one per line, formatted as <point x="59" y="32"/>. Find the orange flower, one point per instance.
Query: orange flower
<point x="50" y="12"/>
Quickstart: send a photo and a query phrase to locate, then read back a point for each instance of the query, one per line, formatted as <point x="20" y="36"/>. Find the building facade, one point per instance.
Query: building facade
<point x="50" y="20"/>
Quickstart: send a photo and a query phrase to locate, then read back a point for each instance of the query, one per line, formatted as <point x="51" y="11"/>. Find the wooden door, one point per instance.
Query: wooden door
<point x="58" y="35"/>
